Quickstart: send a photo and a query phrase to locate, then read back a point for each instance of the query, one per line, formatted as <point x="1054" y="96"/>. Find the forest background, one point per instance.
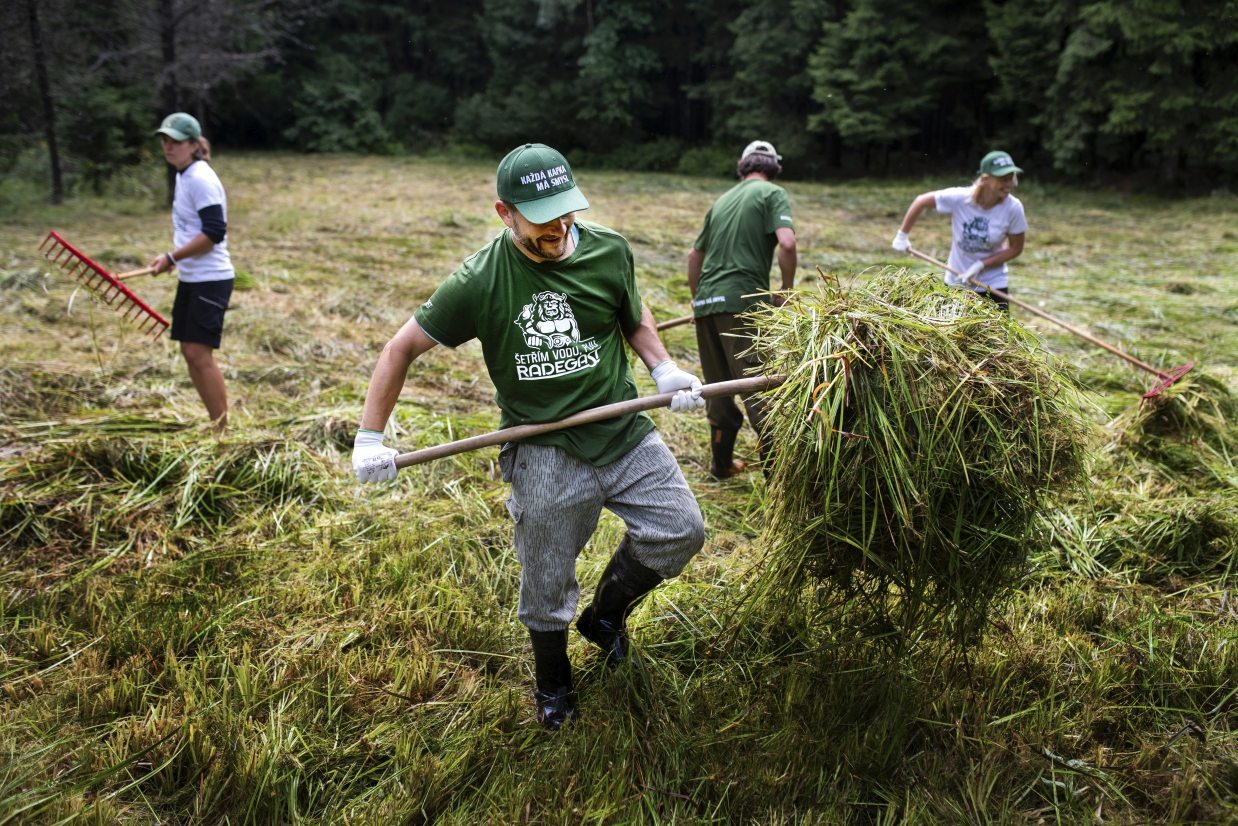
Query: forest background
<point x="1144" y="91"/>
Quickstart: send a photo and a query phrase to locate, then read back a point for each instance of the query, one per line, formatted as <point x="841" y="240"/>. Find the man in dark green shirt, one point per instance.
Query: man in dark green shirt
<point x="728" y="273"/>
<point x="552" y="300"/>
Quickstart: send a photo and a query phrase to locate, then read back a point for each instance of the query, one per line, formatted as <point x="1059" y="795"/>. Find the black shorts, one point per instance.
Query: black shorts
<point x="198" y="311"/>
<point x="1002" y="304"/>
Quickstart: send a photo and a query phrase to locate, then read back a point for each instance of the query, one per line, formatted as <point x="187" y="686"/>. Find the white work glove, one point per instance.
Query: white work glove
<point x="670" y="378"/>
<point x="901" y="242"/>
<point x="371" y="460"/>
<point x="973" y="271"/>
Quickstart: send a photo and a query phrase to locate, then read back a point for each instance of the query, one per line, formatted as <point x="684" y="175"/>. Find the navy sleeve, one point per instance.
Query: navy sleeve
<point x="213" y="224"/>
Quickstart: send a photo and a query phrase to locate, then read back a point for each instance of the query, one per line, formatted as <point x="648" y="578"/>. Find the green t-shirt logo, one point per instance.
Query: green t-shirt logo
<point x="550" y="328"/>
<point x="552" y="334"/>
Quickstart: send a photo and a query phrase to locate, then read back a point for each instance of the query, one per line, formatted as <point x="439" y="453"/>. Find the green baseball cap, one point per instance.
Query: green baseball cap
<point x="538" y="180"/>
<point x="180" y="127"/>
<point x="998" y="164"/>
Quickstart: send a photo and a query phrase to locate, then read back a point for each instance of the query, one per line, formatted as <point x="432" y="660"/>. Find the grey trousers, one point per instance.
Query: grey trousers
<point x="556" y="501"/>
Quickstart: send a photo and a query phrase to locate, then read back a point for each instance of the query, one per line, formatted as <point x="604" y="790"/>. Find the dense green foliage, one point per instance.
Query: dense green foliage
<point x="1072" y="87"/>
<point x="841" y="86"/>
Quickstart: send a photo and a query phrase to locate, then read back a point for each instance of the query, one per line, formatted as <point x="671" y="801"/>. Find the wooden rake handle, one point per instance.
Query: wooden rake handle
<point x="674" y="322"/>
<point x="136" y="273"/>
<point x="755" y="384"/>
<point x="1083" y="334"/>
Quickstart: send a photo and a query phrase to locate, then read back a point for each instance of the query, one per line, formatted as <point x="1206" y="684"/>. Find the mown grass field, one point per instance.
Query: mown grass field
<point x="235" y="632"/>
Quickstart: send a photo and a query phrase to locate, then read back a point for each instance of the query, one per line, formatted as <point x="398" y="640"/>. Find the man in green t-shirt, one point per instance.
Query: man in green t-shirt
<point x="728" y="273"/>
<point x="552" y="300"/>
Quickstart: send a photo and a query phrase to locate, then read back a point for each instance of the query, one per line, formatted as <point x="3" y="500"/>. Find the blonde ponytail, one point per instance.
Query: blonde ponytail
<point x="974" y="197"/>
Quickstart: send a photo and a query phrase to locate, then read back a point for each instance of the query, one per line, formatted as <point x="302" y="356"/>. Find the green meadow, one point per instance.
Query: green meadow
<point x="235" y="632"/>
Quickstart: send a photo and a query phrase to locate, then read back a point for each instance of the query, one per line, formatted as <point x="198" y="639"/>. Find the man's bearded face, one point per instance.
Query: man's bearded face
<point x="547" y="240"/>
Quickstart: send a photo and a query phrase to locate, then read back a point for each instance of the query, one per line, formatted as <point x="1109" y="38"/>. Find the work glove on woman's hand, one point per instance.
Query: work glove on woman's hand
<point x="973" y="271"/>
<point x="670" y="378"/>
<point x="901" y="242"/>
<point x="371" y="460"/>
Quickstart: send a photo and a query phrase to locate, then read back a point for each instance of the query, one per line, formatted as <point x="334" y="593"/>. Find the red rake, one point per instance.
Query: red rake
<point x="103" y="284"/>
<point x="1165" y="378"/>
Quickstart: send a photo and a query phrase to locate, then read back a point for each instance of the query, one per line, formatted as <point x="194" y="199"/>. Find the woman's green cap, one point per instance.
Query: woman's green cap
<point x="998" y="164"/>
<point x="180" y="127"/>
<point x="538" y="180"/>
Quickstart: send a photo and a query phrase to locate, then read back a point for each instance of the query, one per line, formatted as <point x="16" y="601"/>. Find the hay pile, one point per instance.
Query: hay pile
<point x="1187" y="428"/>
<point x="90" y="503"/>
<point x="915" y="439"/>
<point x="1162" y="500"/>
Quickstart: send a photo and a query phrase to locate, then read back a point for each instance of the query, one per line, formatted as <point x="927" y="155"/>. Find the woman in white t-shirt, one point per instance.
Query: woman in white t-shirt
<point x="988" y="223"/>
<point x="200" y="254"/>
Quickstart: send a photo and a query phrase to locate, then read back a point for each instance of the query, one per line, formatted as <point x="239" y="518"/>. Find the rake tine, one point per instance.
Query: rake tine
<point x="102" y="284"/>
<point x="1168" y="378"/>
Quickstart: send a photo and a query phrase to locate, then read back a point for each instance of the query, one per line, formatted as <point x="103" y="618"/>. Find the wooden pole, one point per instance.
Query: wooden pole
<point x="755" y="384"/>
<point x="674" y="322"/>
<point x="1083" y="334"/>
<point x="136" y="273"/>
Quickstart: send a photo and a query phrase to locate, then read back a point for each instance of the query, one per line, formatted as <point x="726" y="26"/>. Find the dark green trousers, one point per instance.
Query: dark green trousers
<point x="720" y="338"/>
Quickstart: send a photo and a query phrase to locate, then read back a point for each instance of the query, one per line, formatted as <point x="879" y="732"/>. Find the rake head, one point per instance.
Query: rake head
<point x="1167" y="378"/>
<point x="103" y="284"/>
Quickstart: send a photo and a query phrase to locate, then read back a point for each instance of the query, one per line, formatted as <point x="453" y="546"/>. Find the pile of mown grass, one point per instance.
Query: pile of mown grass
<point x="1188" y="428"/>
<point x="918" y="433"/>
<point x="93" y="501"/>
<point x="1163" y="497"/>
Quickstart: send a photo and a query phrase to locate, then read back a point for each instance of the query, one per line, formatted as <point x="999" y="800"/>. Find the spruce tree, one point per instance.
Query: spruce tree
<point x="892" y="70"/>
<point x="769" y="93"/>
<point x="1149" y="83"/>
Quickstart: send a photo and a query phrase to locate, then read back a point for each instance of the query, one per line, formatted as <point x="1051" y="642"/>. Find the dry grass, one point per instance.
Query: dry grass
<point x="249" y="638"/>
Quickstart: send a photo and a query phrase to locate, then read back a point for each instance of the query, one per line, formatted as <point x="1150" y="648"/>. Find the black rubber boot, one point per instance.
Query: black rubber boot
<point x="552" y="674"/>
<point x="623" y="584"/>
<point x="722" y="446"/>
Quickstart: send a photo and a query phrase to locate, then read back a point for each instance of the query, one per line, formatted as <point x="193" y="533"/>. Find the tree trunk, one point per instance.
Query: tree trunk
<point x="833" y="149"/>
<point x="1169" y="166"/>
<point x="49" y="105"/>
<point x="171" y="93"/>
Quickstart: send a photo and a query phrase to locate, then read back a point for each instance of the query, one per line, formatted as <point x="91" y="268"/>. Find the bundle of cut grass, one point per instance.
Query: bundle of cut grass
<point x="105" y="498"/>
<point x="917" y="435"/>
<point x="1189" y="428"/>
